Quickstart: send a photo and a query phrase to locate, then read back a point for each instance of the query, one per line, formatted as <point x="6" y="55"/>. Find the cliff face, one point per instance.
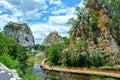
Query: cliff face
<point x="95" y="31"/>
<point x="21" y="33"/>
<point x="52" y="38"/>
<point x="108" y="28"/>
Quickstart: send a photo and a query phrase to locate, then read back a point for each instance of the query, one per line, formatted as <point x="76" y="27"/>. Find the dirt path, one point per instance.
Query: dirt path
<point x="115" y="74"/>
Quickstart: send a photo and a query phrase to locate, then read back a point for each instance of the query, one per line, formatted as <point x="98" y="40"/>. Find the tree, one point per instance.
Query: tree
<point x="15" y="54"/>
<point x="54" y="53"/>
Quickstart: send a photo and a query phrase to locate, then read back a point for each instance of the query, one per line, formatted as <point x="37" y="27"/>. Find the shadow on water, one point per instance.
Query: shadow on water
<point x="54" y="75"/>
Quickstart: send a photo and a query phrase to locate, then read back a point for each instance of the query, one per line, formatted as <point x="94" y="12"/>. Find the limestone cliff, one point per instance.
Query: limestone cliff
<point x="21" y="33"/>
<point x="94" y="31"/>
<point x="52" y="38"/>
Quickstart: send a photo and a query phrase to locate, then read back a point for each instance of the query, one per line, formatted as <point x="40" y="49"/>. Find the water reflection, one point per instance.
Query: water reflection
<point x="38" y="70"/>
<point x="71" y="76"/>
<point x="65" y="76"/>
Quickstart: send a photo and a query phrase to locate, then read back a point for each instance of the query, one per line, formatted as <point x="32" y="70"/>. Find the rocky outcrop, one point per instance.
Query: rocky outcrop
<point x="95" y="32"/>
<point x="52" y="38"/>
<point x="108" y="27"/>
<point x="7" y="74"/>
<point x="21" y="33"/>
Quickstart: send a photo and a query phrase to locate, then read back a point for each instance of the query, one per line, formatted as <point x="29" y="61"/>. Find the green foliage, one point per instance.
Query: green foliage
<point x="75" y="22"/>
<point x="95" y="59"/>
<point x="81" y="44"/>
<point x="13" y="26"/>
<point x="66" y="41"/>
<point x="110" y="63"/>
<point x="77" y="59"/>
<point x="39" y="47"/>
<point x="115" y="5"/>
<point x="54" y="53"/>
<point x="94" y="21"/>
<point x="8" y="61"/>
<point x="71" y="21"/>
<point x="12" y="54"/>
<point x="9" y="46"/>
<point x="110" y="79"/>
<point x="30" y="75"/>
<point x="111" y="24"/>
<point x="81" y="25"/>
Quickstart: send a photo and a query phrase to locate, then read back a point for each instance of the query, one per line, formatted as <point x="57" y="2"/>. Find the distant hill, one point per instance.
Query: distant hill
<point x="52" y="38"/>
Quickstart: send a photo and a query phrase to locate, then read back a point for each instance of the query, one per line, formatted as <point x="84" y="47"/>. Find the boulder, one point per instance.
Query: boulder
<point x="8" y="74"/>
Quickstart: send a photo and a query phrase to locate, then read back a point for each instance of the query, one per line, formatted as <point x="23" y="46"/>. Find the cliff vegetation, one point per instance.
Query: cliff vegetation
<point x="94" y="37"/>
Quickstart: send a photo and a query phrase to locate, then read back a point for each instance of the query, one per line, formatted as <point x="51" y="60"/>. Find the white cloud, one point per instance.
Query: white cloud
<point x="33" y="15"/>
<point x="41" y="30"/>
<point x="65" y="10"/>
<point x="5" y="4"/>
<point x="59" y="20"/>
<point x="34" y="9"/>
<point x="57" y="2"/>
<point x="28" y="9"/>
<point x="81" y="4"/>
<point x="4" y="19"/>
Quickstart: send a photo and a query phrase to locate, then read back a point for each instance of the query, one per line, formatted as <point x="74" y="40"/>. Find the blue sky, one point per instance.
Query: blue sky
<point x="42" y="16"/>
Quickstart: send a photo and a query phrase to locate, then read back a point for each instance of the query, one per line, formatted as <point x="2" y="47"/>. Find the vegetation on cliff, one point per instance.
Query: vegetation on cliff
<point x="93" y="37"/>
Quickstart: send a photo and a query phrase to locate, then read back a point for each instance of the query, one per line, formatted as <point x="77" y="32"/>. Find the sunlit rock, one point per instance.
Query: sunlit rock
<point x="21" y="33"/>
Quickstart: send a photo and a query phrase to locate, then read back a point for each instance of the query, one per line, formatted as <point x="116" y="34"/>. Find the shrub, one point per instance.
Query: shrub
<point x="39" y="47"/>
<point x="54" y="52"/>
<point x="12" y="54"/>
<point x="95" y="59"/>
<point x="8" y="61"/>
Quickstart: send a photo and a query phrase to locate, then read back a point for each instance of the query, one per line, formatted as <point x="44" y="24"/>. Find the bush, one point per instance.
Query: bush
<point x="81" y="44"/>
<point x="66" y="41"/>
<point x="8" y="61"/>
<point x="12" y="54"/>
<point x="76" y="59"/>
<point x="54" y="53"/>
<point x="95" y="59"/>
<point x="39" y="47"/>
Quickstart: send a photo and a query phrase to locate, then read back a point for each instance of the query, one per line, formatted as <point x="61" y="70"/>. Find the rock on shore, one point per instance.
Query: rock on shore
<point x="8" y="74"/>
